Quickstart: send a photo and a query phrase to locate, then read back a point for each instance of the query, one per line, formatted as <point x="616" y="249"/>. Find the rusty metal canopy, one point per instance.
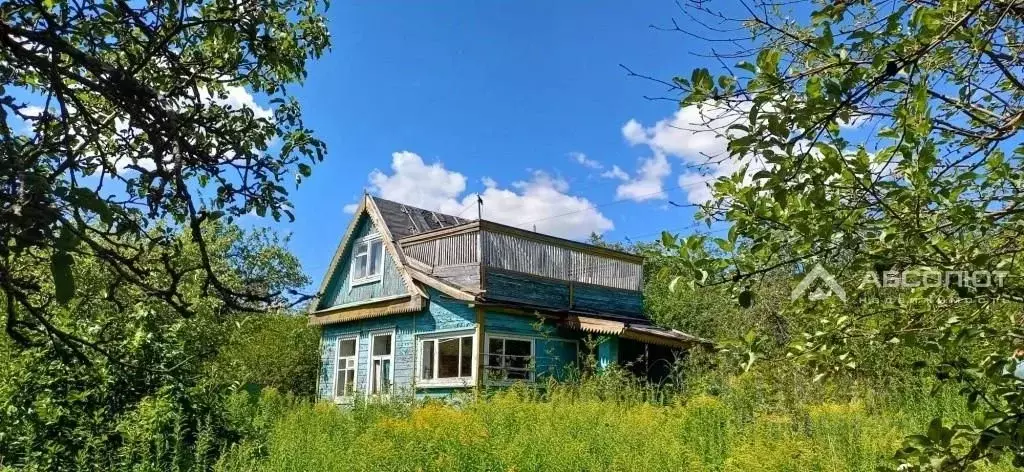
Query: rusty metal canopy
<point x="638" y="332"/>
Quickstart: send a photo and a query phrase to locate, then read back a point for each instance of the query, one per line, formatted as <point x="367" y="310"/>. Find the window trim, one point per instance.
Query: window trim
<point x="370" y="357"/>
<point x="487" y="358"/>
<point x="447" y="382"/>
<point x="368" y="240"/>
<point x="337" y="367"/>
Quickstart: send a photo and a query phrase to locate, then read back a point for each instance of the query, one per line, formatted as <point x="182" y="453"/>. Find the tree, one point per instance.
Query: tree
<point x="882" y="140"/>
<point x="145" y="399"/>
<point x="125" y="122"/>
<point x="293" y="368"/>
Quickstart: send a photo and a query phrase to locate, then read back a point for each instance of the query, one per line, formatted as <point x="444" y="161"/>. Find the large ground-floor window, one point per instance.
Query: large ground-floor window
<point x="445" y="360"/>
<point x="510" y="358"/>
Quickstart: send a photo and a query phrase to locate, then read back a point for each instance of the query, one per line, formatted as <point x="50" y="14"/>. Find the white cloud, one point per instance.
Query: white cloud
<point x="615" y="173"/>
<point x="350" y="208"/>
<point x="855" y="122"/>
<point x="697" y="186"/>
<point x="415" y="183"/>
<point x="691" y="134"/>
<point x="584" y="161"/>
<point x="31" y="110"/>
<point x="235" y="98"/>
<point x="30" y="114"/>
<point x="634" y="132"/>
<point x="647" y="183"/>
<point x="695" y="135"/>
<point x="542" y="200"/>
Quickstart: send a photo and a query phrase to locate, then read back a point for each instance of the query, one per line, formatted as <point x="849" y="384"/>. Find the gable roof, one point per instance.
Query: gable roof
<point x="404" y="220"/>
<point x="394" y="221"/>
<point x="368" y="207"/>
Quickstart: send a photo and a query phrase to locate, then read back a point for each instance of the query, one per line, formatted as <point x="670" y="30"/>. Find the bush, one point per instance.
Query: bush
<point x="271" y="351"/>
<point x="576" y="427"/>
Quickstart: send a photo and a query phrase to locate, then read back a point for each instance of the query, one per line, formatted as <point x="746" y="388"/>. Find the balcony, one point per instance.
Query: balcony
<point x="503" y="263"/>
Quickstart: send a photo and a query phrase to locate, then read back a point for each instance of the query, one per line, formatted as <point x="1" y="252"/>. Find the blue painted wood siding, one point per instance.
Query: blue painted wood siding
<point x="440" y="315"/>
<point x="608" y="300"/>
<point x="522" y="288"/>
<point x="340" y="292"/>
<point x="555" y="351"/>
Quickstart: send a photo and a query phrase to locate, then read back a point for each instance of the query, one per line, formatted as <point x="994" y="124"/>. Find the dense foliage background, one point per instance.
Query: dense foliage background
<point x="144" y="331"/>
<point x="156" y="392"/>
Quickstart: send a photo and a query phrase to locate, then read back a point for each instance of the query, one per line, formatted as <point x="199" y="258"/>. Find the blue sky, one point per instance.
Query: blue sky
<point x="506" y="91"/>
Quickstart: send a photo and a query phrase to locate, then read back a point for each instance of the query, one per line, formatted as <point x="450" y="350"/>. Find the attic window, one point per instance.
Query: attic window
<point x="367" y="260"/>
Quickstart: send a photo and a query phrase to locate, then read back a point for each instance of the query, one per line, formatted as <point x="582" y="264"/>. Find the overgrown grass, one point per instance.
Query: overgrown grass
<point x="594" y="427"/>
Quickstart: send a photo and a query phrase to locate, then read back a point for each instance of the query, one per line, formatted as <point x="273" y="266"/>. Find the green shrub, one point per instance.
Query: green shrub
<point x="279" y="351"/>
<point x="746" y="426"/>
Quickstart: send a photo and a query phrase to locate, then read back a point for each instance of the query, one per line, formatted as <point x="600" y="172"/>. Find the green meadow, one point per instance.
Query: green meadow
<point x="590" y="426"/>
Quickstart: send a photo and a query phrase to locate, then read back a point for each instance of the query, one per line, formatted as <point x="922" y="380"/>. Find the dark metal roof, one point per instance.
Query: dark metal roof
<point x="667" y="333"/>
<point x="404" y="220"/>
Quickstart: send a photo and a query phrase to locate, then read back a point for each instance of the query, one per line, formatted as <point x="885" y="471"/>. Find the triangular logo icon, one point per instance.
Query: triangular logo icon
<point x="829" y="287"/>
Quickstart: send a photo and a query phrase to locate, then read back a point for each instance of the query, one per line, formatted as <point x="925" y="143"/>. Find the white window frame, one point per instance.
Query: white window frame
<point x="487" y="358"/>
<point x="447" y="382"/>
<point x="348" y="396"/>
<point x="371" y="358"/>
<point x="366" y="279"/>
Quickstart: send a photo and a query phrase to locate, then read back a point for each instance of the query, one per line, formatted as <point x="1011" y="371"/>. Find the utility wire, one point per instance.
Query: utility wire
<point x="684" y="228"/>
<point x="459" y="215"/>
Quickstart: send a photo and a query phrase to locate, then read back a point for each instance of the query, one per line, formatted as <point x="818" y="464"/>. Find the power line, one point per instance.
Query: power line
<point x="464" y="209"/>
<point x="684" y="228"/>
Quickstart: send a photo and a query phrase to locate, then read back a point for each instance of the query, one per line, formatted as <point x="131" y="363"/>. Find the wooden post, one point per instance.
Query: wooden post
<point x="571" y="295"/>
<point x="481" y="320"/>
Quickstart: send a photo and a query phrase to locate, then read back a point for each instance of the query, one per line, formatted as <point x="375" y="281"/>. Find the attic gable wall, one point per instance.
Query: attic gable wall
<point x="340" y="292"/>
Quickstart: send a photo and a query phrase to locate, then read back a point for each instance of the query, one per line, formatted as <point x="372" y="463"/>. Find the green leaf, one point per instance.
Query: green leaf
<point x="63" y="278"/>
<point x="67" y="240"/>
<point x="935" y="429"/>
<point x="668" y="240"/>
<point x="747" y="67"/>
<point x="746" y="298"/>
<point x="673" y="283"/>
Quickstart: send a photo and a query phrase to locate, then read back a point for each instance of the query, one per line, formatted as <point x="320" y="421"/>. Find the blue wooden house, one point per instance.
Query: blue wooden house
<point x="418" y="302"/>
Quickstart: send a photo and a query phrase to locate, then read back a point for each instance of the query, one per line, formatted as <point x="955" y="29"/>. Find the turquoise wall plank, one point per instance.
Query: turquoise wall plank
<point x="340" y="292"/>
<point x="517" y="324"/>
<point x="608" y="300"/>
<point x="555" y="349"/>
<point x="327" y="359"/>
<point x="556" y="356"/>
<point x="608" y="352"/>
<point x="522" y="288"/>
<point x="444" y="313"/>
<point x="440" y="315"/>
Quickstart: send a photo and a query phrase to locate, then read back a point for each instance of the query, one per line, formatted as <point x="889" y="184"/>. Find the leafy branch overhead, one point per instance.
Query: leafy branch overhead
<point x="121" y="125"/>
<point x="876" y="137"/>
